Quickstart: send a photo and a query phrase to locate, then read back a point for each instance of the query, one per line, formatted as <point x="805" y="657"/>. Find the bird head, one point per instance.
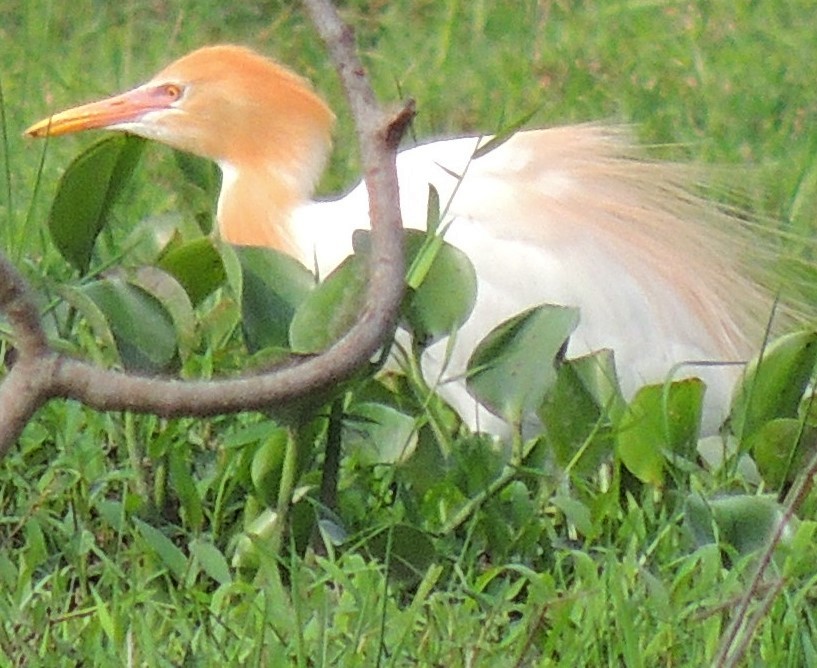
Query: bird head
<point x="260" y="122"/>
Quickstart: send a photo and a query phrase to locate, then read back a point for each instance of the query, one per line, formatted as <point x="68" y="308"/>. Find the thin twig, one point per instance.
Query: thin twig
<point x="726" y="657"/>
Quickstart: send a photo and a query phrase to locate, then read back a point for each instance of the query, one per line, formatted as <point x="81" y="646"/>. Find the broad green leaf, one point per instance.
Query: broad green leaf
<point x="170" y="555"/>
<point x="200" y="172"/>
<point x="96" y="318"/>
<point x="274" y="285"/>
<point x="142" y="327"/>
<point x="422" y="470"/>
<point x="743" y="521"/>
<point x="446" y="292"/>
<point x="211" y="560"/>
<point x="660" y="419"/>
<point x="478" y="461"/>
<point x="409" y="551"/>
<point x="440" y="279"/>
<point x="774" y="383"/>
<point x="580" y="410"/>
<point x="331" y="309"/>
<point x="779" y="448"/>
<point x="379" y="434"/>
<point x="86" y="193"/>
<point x="514" y="367"/>
<point x="172" y="296"/>
<point x="196" y="265"/>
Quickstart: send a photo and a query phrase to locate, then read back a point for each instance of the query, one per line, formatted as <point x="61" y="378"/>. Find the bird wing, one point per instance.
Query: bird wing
<point x="574" y="216"/>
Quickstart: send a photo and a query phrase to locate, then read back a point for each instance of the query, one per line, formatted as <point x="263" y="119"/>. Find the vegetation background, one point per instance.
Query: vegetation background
<point x="118" y="533"/>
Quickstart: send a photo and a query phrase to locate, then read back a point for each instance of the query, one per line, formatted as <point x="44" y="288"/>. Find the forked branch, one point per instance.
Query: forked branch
<point x="39" y="373"/>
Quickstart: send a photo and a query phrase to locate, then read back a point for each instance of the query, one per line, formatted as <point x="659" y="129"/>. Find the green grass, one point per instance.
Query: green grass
<point x="119" y="533"/>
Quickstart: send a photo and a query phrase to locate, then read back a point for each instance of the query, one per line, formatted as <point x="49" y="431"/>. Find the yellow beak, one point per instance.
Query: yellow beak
<point x="111" y="112"/>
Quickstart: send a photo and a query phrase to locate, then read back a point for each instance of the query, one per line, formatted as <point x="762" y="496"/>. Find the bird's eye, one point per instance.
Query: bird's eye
<point x="173" y="91"/>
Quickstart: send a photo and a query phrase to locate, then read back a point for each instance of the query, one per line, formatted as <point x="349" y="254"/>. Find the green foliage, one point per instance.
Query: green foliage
<point x="331" y="309"/>
<point x="514" y="368"/>
<point x="606" y="540"/>
<point x="441" y="287"/>
<point x="86" y="194"/>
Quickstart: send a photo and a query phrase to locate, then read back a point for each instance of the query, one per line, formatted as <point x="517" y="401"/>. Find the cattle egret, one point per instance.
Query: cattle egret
<point x="567" y="215"/>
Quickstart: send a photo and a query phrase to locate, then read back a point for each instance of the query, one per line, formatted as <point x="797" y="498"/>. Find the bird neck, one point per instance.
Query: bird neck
<point x="255" y="205"/>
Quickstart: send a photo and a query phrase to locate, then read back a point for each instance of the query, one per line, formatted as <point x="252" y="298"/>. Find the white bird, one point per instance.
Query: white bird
<point x="568" y="215"/>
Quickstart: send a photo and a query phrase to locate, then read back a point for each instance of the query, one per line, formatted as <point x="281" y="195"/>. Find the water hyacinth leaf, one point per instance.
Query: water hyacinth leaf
<point x="409" y="551"/>
<point x="441" y="281"/>
<point x="86" y="192"/>
<point x="780" y="449"/>
<point x="514" y="367"/>
<point x="743" y="521"/>
<point x="199" y="172"/>
<point x="445" y="292"/>
<point x="580" y="410"/>
<point x="78" y="299"/>
<point x="142" y="327"/>
<point x="274" y="285"/>
<point x="331" y="309"/>
<point x="774" y="383"/>
<point x="660" y="419"/>
<point x="165" y="288"/>
<point x="197" y="265"/>
<point x="379" y="434"/>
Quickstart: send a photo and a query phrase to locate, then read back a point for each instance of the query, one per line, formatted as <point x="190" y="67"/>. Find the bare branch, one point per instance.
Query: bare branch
<point x="41" y="374"/>
<point x="17" y="303"/>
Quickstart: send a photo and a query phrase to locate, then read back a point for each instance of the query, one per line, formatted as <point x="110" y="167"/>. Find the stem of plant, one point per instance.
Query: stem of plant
<point x="289" y="473"/>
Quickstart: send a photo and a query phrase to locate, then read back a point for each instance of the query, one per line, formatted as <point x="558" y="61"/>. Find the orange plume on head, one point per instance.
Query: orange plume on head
<point x="263" y="124"/>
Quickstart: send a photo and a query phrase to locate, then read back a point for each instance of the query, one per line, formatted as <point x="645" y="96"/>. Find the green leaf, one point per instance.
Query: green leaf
<point x="86" y="193"/>
<point x="267" y="465"/>
<point x="257" y="535"/>
<point x="579" y="411"/>
<point x="164" y="288"/>
<point x="212" y="560"/>
<point x="196" y="265"/>
<point x="780" y="448"/>
<point x="743" y="521"/>
<point x="410" y="551"/>
<point x="774" y="382"/>
<point x="170" y="555"/>
<point x="514" y="367"/>
<point x="444" y="291"/>
<point x="96" y="318"/>
<point x="379" y="433"/>
<point x="185" y="486"/>
<point x="331" y="309"/>
<point x="274" y="285"/>
<point x="660" y="419"/>
<point x="142" y="327"/>
<point x="576" y="513"/>
<point x="504" y="134"/>
<point x="200" y="172"/>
